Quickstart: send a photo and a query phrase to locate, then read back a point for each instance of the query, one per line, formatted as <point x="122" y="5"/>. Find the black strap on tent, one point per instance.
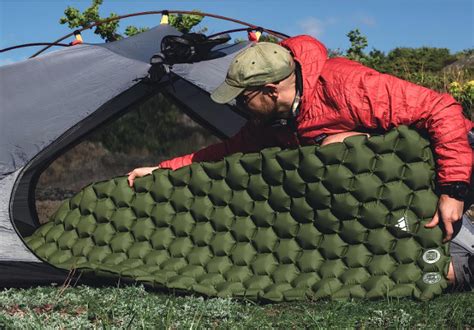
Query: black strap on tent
<point x="187" y="48"/>
<point x="49" y="44"/>
<point x="78" y="40"/>
<point x="190" y="47"/>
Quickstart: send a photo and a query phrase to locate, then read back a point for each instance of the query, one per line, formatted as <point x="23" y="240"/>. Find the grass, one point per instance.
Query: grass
<point x="135" y="307"/>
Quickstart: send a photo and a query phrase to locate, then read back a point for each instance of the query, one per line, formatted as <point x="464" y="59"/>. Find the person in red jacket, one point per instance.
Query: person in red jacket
<point x="315" y="98"/>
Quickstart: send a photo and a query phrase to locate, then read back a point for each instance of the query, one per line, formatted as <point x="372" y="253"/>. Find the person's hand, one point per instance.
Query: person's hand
<point x="139" y="172"/>
<point x="339" y="137"/>
<point x="450" y="211"/>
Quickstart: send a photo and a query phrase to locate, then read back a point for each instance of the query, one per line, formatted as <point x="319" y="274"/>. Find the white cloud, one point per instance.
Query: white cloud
<point x="312" y="26"/>
<point x="366" y="20"/>
<point x="315" y="26"/>
<point x="331" y="21"/>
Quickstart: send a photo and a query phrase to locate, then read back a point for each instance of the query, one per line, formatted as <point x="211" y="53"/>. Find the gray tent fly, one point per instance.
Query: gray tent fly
<point x="51" y="101"/>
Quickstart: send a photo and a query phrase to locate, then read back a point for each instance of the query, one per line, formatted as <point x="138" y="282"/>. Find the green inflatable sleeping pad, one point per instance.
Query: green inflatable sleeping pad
<point x="340" y="221"/>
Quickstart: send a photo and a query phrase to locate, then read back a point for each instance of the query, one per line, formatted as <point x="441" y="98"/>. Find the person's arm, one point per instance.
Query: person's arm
<point x="250" y="138"/>
<point x="377" y="100"/>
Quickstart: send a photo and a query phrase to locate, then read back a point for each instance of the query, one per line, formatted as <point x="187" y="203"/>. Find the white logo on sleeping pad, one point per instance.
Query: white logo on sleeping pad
<point x="402" y="224"/>
<point x="431" y="256"/>
<point x="431" y="278"/>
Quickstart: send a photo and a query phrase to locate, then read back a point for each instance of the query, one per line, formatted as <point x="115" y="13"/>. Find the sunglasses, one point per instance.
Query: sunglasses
<point x="245" y="98"/>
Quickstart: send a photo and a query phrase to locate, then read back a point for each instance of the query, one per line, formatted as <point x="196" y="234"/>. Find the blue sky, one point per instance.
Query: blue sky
<point x="387" y="24"/>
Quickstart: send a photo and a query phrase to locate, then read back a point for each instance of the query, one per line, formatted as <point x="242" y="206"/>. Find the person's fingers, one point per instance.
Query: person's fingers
<point x="448" y="227"/>
<point x="131" y="178"/>
<point x="448" y="224"/>
<point x="434" y="221"/>
<point x="138" y="173"/>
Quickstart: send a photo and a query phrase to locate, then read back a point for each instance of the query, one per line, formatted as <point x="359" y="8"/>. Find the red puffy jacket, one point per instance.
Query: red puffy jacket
<point x="341" y="95"/>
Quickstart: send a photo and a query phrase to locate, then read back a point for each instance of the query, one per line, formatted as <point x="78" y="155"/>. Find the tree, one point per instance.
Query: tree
<point x="358" y="43"/>
<point x="424" y="66"/>
<point x="265" y="37"/>
<point x="108" y="31"/>
<point x="184" y="23"/>
<point x="75" y="19"/>
<point x="429" y="59"/>
<point x="335" y="52"/>
<point x="269" y="38"/>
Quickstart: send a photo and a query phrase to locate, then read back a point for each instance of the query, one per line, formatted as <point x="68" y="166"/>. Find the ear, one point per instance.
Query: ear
<point x="271" y="89"/>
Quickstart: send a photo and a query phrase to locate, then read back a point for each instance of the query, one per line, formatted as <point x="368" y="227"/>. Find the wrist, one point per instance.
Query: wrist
<point x="456" y="189"/>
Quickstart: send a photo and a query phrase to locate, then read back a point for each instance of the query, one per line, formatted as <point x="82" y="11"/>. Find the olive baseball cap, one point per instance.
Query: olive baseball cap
<point x="260" y="64"/>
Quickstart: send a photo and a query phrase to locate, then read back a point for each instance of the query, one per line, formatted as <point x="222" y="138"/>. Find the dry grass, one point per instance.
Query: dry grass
<point x="85" y="163"/>
<point x="46" y="209"/>
<point x="89" y="162"/>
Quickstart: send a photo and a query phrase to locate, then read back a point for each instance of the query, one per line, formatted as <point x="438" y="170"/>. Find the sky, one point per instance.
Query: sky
<point x="386" y="24"/>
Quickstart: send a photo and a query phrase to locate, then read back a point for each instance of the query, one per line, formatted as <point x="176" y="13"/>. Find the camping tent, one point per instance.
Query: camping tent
<point x="50" y="102"/>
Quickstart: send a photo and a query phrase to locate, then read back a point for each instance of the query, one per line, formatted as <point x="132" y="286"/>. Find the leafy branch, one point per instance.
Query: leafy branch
<point x="108" y="31"/>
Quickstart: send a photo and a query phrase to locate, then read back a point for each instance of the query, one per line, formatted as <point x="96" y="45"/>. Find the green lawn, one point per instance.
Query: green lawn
<point x="135" y="307"/>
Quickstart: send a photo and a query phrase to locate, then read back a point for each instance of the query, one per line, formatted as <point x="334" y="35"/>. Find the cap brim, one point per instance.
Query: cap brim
<point x="226" y="93"/>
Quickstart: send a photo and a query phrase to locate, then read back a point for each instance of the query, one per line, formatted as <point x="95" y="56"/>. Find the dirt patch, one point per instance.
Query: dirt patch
<point x="15" y="310"/>
<point x="46" y="209"/>
<point x="47" y="308"/>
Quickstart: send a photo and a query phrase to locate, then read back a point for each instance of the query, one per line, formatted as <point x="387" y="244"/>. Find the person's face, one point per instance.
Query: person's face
<point x="261" y="102"/>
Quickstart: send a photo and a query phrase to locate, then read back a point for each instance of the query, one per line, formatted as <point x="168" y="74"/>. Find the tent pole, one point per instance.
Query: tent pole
<point x="184" y="12"/>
